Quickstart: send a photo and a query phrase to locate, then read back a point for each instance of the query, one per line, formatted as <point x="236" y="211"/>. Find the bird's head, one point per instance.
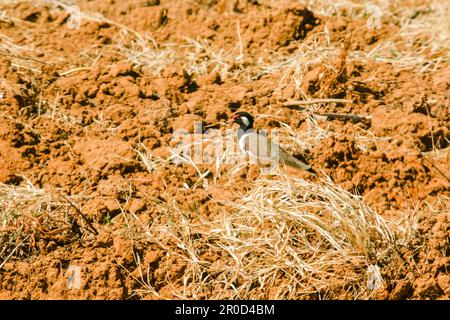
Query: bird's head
<point x="243" y="119"/>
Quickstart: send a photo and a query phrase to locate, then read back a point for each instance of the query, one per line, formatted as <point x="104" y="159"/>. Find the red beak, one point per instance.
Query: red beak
<point x="233" y="118"/>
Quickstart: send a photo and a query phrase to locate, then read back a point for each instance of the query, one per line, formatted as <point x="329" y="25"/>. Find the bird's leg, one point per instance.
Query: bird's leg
<point x="253" y="171"/>
<point x="247" y="167"/>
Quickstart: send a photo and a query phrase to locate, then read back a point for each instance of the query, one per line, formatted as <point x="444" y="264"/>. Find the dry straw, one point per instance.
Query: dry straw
<point x="286" y="238"/>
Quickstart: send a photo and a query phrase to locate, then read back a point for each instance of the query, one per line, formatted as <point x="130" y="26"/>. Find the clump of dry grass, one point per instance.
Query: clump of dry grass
<point x="298" y="140"/>
<point x="422" y="42"/>
<point x="151" y="162"/>
<point x="319" y="129"/>
<point x="312" y="51"/>
<point x="29" y="214"/>
<point x="13" y="201"/>
<point x="196" y="56"/>
<point x="284" y="239"/>
<point x="202" y="58"/>
<point x="20" y="208"/>
<point x="21" y="56"/>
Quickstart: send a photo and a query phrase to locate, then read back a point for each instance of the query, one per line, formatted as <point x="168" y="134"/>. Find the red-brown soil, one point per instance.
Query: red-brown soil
<point x="75" y="131"/>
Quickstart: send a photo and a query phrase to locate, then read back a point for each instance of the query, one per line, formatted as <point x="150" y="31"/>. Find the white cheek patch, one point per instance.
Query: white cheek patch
<point x="245" y="121"/>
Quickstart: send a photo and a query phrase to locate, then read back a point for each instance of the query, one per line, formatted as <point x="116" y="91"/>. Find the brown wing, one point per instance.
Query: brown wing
<point x="265" y="152"/>
<point x="259" y="149"/>
<point x="290" y="160"/>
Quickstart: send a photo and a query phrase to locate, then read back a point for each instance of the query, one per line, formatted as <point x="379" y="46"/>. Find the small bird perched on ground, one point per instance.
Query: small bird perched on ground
<point x="260" y="149"/>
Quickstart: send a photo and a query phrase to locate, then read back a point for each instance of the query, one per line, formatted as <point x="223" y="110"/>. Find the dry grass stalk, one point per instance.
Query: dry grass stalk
<point x="294" y="236"/>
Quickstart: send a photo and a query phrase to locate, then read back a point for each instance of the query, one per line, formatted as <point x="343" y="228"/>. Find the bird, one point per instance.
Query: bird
<point x="260" y="148"/>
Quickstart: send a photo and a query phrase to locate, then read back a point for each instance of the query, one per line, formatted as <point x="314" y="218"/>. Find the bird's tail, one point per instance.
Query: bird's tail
<point x="292" y="161"/>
